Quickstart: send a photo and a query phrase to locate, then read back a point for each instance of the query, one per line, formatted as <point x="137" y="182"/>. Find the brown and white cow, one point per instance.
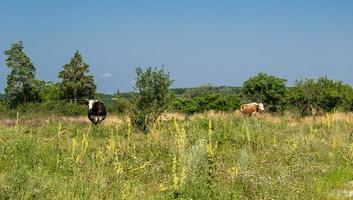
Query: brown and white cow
<point x="252" y="108"/>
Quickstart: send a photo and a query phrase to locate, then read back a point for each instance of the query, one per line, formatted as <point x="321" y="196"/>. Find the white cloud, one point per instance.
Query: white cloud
<point x="106" y="75"/>
<point x="132" y="82"/>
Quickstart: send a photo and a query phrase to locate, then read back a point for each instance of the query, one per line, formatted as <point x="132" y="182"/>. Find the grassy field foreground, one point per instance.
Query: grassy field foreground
<point x="207" y="156"/>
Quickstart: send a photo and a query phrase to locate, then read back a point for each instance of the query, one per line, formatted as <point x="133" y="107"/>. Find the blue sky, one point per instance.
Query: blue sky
<point x="216" y="42"/>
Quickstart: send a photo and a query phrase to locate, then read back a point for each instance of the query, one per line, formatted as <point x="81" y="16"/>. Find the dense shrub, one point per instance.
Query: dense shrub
<point x="185" y="105"/>
<point x="119" y="105"/>
<point x="44" y="109"/>
<point x="267" y="89"/>
<point x="310" y="96"/>
<point x="4" y="109"/>
<point x="48" y="91"/>
<point x="347" y="98"/>
<point x="208" y="89"/>
<point x="65" y="108"/>
<point x="206" y="102"/>
<point x="151" y="99"/>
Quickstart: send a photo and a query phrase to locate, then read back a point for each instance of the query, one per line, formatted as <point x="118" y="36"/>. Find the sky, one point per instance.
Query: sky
<point x="221" y="42"/>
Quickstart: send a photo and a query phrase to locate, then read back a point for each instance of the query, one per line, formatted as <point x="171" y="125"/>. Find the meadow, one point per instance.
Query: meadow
<point x="205" y="156"/>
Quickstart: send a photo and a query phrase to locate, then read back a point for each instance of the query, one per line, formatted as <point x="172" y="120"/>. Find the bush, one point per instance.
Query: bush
<point x="44" y="109"/>
<point x="5" y="110"/>
<point x="206" y="102"/>
<point x="152" y="98"/>
<point x="48" y="91"/>
<point x="312" y="96"/>
<point x="119" y="105"/>
<point x="267" y="89"/>
<point x="185" y="105"/>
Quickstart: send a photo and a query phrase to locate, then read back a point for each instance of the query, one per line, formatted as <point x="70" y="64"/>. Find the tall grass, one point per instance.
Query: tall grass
<point x="207" y="156"/>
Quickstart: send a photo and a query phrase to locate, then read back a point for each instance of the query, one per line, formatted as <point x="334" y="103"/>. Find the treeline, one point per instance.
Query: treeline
<point x="25" y="93"/>
<point x="305" y="97"/>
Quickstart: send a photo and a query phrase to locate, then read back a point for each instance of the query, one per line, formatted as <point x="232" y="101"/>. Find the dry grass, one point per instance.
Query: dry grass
<point x="291" y="119"/>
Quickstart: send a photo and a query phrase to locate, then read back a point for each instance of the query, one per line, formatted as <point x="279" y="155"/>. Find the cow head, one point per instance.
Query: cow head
<point x="261" y="107"/>
<point x="91" y="102"/>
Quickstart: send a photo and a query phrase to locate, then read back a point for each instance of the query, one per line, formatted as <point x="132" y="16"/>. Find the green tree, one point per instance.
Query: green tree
<point x="304" y="96"/>
<point x="267" y="89"/>
<point x="21" y="82"/>
<point x="330" y="93"/>
<point x="152" y="96"/>
<point x="48" y="91"/>
<point x="76" y="83"/>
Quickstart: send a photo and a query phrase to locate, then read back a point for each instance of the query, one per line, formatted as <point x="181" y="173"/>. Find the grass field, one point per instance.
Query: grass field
<point x="206" y="156"/>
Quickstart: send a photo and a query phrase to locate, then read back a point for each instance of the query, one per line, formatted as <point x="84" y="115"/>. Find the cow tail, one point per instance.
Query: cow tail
<point x="241" y="108"/>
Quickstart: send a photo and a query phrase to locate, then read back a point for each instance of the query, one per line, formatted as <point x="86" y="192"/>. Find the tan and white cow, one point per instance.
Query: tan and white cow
<point x="252" y="108"/>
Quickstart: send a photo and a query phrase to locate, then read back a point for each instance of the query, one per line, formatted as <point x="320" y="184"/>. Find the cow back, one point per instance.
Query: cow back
<point x="101" y="109"/>
<point x="249" y="109"/>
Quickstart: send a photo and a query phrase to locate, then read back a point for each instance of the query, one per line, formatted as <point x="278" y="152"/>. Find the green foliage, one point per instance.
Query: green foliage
<point x="179" y="91"/>
<point x="119" y="105"/>
<point x="185" y="105"/>
<point x="4" y="109"/>
<point x="207" y="89"/>
<point x="304" y="96"/>
<point x="189" y="92"/>
<point x="322" y="95"/>
<point x="76" y="83"/>
<point x="21" y="82"/>
<point x="202" y="90"/>
<point x="207" y="97"/>
<point x="266" y="89"/>
<point x="152" y="98"/>
<point x="64" y="108"/>
<point x="346" y="93"/>
<point x="206" y="102"/>
<point x="47" y="108"/>
<point x="48" y="91"/>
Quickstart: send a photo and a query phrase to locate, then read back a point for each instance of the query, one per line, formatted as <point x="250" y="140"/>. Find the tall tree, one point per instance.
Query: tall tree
<point x="76" y="83"/>
<point x="21" y="82"/>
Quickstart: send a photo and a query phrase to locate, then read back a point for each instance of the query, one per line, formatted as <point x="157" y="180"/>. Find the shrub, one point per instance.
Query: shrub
<point x="47" y="108"/>
<point x="322" y="95"/>
<point x="48" y="91"/>
<point x="119" y="105"/>
<point x="208" y="101"/>
<point x="152" y="98"/>
<point x="185" y="105"/>
<point x="267" y="89"/>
